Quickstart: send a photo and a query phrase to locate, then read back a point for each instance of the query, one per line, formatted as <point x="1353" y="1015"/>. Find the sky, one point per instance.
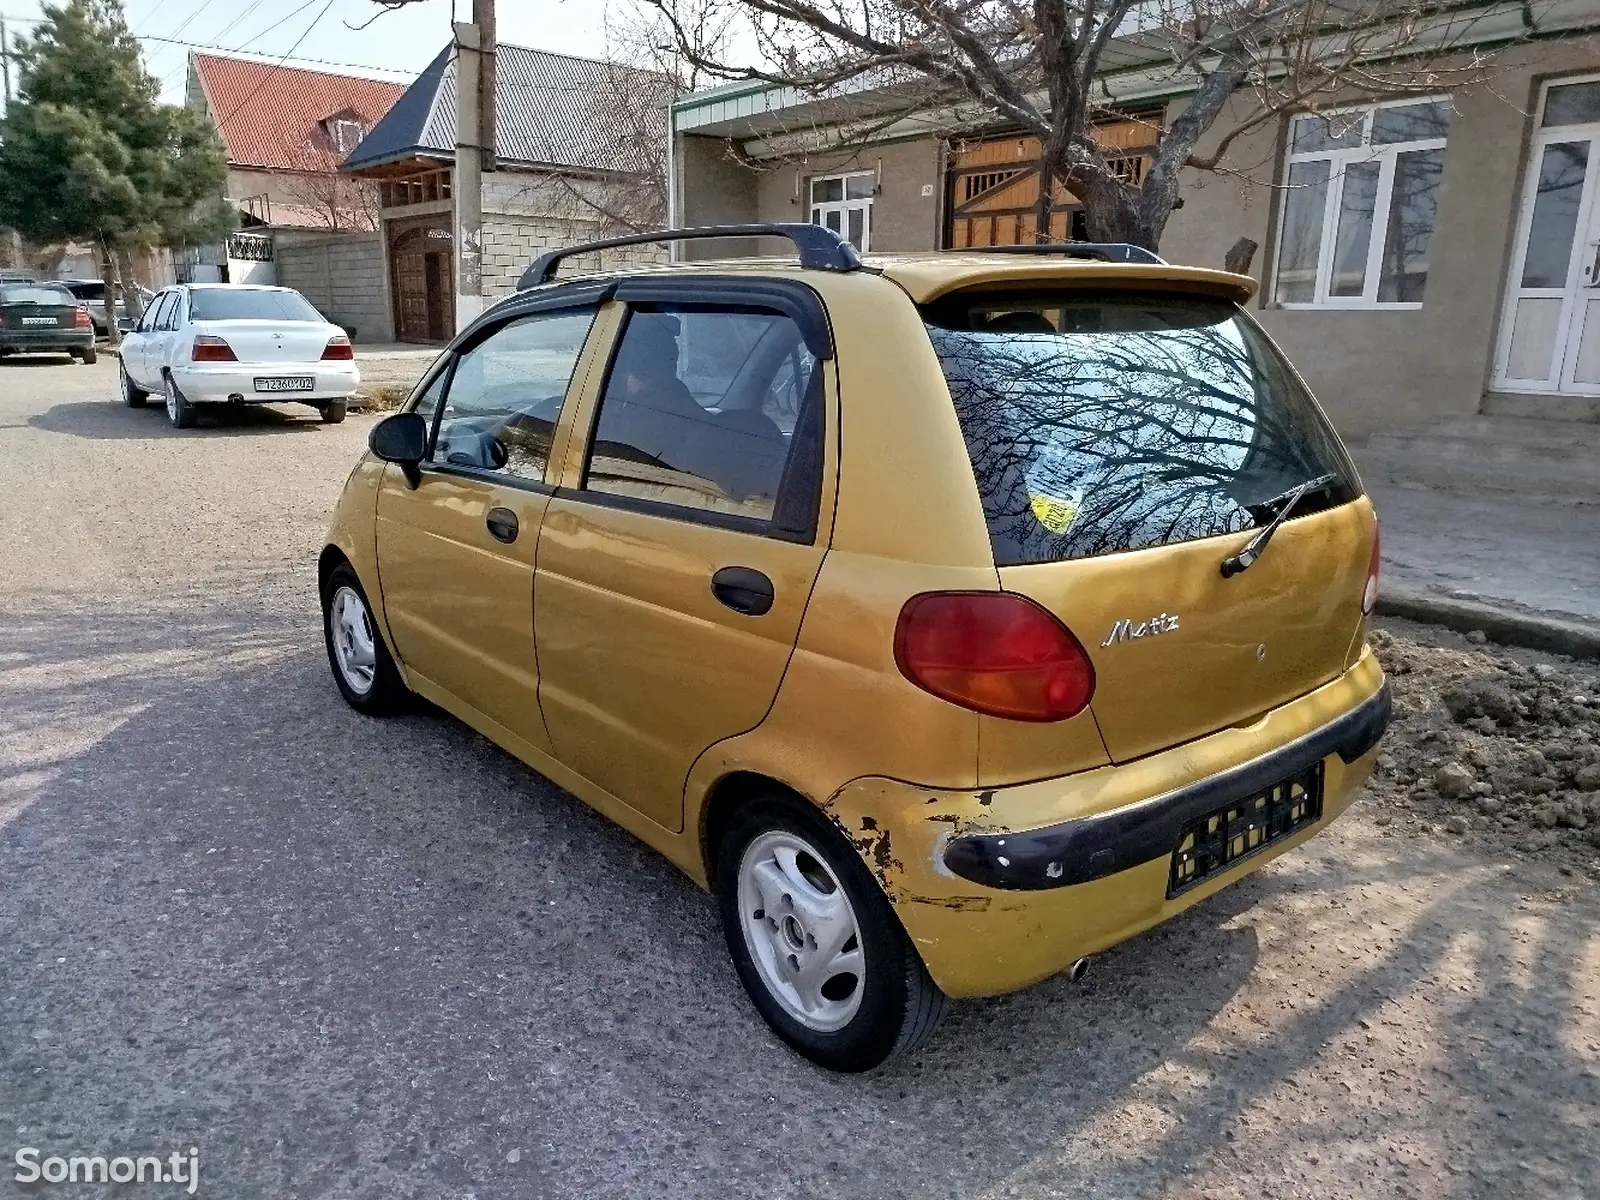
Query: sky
<point x="397" y="45"/>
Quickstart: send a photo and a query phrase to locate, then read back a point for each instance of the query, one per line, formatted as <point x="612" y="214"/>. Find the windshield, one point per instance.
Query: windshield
<point x="34" y="293"/>
<point x="1104" y="423"/>
<point x="250" y="304"/>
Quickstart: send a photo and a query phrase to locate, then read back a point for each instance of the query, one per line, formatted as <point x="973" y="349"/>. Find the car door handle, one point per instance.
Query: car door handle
<point x="502" y="523"/>
<point x="743" y="589"/>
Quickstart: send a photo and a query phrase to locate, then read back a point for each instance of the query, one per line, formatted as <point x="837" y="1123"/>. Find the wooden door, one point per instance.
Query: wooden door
<point x="410" y="287"/>
<point x="994" y="187"/>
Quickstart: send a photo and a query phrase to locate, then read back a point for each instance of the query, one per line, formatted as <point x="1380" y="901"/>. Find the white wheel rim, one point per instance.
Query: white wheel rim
<point x="801" y="931"/>
<point x="172" y="399"/>
<point x="355" y="645"/>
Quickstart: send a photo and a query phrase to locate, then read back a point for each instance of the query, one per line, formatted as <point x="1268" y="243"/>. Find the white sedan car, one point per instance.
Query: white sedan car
<point x="222" y="343"/>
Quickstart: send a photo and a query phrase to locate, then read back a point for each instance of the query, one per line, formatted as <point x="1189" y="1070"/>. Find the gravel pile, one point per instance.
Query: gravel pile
<point x="1491" y="744"/>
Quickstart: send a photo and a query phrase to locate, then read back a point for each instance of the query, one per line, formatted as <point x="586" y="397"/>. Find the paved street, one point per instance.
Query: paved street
<point x="343" y="957"/>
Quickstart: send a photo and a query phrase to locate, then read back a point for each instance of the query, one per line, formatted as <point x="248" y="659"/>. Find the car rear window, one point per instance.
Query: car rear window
<point x="33" y="293"/>
<point x="226" y="304"/>
<point x="1099" y="423"/>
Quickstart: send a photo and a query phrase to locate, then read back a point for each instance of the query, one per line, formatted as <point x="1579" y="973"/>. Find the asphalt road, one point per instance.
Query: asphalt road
<point x="343" y="957"/>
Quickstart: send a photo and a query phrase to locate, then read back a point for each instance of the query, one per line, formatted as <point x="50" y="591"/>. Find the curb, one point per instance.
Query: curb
<point x="1501" y="623"/>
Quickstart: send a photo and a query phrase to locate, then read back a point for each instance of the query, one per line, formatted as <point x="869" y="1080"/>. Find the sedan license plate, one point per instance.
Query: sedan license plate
<point x="285" y="383"/>
<point x="1236" y="831"/>
<point x="38" y="320"/>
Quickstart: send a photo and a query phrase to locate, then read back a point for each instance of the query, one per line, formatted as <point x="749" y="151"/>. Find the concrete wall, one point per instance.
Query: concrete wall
<point x="902" y="217"/>
<point x="1387" y="369"/>
<point x="342" y="274"/>
<point x="714" y="189"/>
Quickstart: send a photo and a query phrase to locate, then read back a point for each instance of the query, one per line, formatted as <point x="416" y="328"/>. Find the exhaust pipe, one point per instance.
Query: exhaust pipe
<point x="1077" y="970"/>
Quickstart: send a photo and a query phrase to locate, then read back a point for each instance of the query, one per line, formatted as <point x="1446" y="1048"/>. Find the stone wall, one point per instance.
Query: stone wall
<point x="525" y="214"/>
<point x="342" y="274"/>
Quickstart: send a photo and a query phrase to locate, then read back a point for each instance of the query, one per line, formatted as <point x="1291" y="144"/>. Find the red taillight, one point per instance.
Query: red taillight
<point x="81" y="318"/>
<point x="1369" y="595"/>
<point x="338" y="347"/>
<point x="993" y="652"/>
<point x="208" y="348"/>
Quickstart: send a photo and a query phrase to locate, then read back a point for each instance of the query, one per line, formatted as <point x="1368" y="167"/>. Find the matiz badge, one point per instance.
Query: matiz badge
<point x="1125" y="630"/>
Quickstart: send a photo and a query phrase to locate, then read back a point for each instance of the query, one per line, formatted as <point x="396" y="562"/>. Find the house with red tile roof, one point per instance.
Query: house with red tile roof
<point x="286" y="130"/>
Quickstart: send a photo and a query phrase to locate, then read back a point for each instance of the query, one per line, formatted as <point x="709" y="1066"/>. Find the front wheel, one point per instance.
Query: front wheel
<point x="133" y="395"/>
<point x="180" y="412"/>
<point x="815" y="942"/>
<point x="362" y="666"/>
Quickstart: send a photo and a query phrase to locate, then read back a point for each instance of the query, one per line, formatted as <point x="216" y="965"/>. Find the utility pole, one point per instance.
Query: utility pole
<point x="475" y="75"/>
<point x="5" y="63"/>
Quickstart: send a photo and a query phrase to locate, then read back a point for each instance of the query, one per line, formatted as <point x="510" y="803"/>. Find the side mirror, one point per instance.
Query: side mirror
<point x="125" y="324"/>
<point x="402" y="439"/>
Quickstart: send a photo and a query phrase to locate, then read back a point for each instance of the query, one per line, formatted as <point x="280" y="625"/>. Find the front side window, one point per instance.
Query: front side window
<point x="843" y="203"/>
<point x="1360" y="197"/>
<point x="506" y="393"/>
<point x="702" y="408"/>
<point x="1099" y="424"/>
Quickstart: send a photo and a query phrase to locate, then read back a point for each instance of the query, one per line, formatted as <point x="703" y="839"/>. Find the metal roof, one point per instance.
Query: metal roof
<point x="550" y="110"/>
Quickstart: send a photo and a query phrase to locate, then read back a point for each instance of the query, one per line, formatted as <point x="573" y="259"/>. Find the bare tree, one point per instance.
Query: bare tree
<point x="1039" y="67"/>
<point x="339" y="202"/>
<point x="651" y="61"/>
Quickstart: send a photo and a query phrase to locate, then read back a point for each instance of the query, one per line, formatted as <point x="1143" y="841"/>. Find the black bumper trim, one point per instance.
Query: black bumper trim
<point x="1093" y="847"/>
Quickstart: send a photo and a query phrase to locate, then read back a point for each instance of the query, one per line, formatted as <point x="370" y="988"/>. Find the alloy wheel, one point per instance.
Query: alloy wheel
<point x="355" y="646"/>
<point x="172" y="400"/>
<point x="801" y="930"/>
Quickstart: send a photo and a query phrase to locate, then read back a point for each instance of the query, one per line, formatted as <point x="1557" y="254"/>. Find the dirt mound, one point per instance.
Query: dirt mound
<point x="1491" y="743"/>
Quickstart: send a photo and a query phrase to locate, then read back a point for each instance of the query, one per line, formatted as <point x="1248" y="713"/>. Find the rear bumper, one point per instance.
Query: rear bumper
<point x="1001" y="888"/>
<point x="43" y="340"/>
<point x="204" y="383"/>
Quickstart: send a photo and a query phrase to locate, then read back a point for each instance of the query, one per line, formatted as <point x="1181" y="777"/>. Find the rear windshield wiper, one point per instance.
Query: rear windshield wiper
<point x="1284" y="502"/>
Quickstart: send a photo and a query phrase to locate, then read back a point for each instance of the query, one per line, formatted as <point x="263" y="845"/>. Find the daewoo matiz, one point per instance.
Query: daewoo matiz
<point x="951" y="617"/>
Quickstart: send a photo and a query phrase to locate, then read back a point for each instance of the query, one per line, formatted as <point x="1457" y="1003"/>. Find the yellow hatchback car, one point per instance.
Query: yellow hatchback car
<point x="951" y="617"/>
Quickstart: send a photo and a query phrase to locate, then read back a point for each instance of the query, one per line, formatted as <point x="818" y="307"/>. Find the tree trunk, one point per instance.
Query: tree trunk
<point x="112" y="278"/>
<point x="131" y="298"/>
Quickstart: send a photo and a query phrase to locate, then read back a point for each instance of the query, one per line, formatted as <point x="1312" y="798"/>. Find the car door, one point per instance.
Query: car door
<point x="456" y="548"/>
<point x="677" y="558"/>
<point x="136" y="345"/>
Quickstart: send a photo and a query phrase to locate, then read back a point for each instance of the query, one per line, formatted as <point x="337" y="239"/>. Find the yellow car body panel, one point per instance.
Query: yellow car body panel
<point x="980" y="941"/>
<point x="644" y="697"/>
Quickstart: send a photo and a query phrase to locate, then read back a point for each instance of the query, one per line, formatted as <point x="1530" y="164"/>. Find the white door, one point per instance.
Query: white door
<point x="1550" y="330"/>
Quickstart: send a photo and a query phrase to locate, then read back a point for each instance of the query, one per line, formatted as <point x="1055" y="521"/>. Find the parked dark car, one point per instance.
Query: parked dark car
<point x="44" y="318"/>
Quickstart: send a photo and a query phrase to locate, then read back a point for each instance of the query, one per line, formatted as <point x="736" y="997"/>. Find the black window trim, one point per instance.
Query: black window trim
<point x="737" y="293"/>
<point x="577" y="296"/>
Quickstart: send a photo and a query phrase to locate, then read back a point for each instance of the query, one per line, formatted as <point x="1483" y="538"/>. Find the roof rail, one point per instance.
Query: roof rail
<point x="1121" y="252"/>
<point x="820" y="249"/>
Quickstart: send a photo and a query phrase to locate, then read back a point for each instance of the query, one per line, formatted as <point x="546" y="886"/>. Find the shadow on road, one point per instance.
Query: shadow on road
<point x="110" y="418"/>
<point x="36" y="360"/>
<point x="375" y="958"/>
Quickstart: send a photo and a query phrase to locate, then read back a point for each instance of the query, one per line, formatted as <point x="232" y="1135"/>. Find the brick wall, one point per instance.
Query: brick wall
<point x="340" y="273"/>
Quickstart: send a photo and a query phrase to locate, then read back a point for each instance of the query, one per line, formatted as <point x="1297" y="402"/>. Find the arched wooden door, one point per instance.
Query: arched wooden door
<point x="424" y="292"/>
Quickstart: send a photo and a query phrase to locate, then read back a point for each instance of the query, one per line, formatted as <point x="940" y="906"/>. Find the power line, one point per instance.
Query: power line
<point x="299" y="58"/>
<point x="255" y="91"/>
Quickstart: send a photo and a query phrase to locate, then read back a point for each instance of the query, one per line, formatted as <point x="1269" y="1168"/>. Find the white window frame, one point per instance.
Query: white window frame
<point x="844" y="207"/>
<point x="337" y="129"/>
<point x="1338" y="160"/>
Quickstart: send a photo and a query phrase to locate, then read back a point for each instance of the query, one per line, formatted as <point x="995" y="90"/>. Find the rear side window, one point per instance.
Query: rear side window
<point x="1103" y="423"/>
<point x="248" y="304"/>
<point x="703" y="410"/>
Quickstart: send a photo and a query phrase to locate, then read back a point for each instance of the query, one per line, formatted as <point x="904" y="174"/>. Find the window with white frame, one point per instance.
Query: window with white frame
<point x="1362" y="189"/>
<point x="345" y="133"/>
<point x="843" y="203"/>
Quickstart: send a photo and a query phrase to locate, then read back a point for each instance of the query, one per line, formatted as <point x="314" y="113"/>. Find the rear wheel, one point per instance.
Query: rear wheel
<point x="815" y="942"/>
<point x="180" y="412"/>
<point x="89" y="357"/>
<point x="334" y="411"/>
<point x="362" y="666"/>
<point x="133" y="395"/>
